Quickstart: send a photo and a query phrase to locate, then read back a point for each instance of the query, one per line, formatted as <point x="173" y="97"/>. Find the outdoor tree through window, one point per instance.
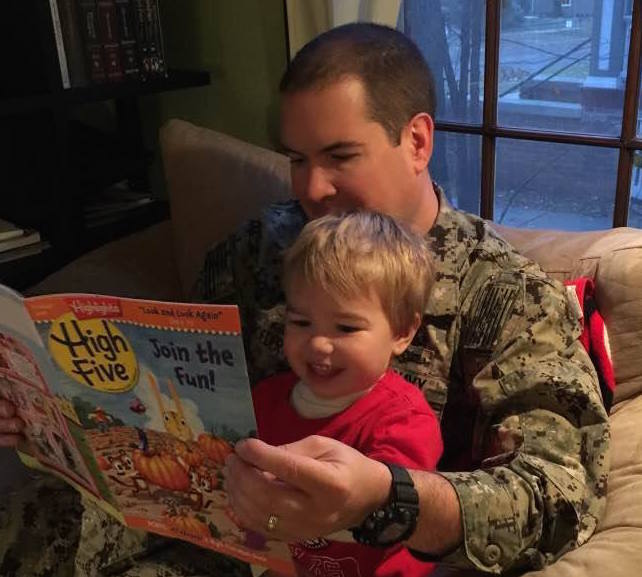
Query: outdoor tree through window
<point x="538" y="122"/>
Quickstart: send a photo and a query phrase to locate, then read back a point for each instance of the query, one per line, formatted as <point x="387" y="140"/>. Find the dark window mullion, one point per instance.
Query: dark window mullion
<point x="629" y="121"/>
<point x="489" y="122"/>
<point x="559" y="137"/>
<point x="459" y="127"/>
<point x="537" y="135"/>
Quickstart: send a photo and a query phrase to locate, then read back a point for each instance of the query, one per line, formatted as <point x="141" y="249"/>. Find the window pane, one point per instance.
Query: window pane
<point x="456" y="165"/>
<point x="550" y="185"/>
<point x="563" y="64"/>
<point x="635" y="206"/>
<point x="450" y="34"/>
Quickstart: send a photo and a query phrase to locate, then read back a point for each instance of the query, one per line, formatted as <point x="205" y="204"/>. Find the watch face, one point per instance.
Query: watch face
<point x="393" y="533"/>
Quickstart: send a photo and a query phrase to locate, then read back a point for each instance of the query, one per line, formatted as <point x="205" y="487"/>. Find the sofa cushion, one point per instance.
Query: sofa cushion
<point x="616" y="549"/>
<point x="215" y="182"/>
<point x="138" y="266"/>
<point x="613" y="258"/>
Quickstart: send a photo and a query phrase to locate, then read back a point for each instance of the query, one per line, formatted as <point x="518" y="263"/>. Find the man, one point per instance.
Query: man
<point x="525" y="434"/>
<point x="526" y="437"/>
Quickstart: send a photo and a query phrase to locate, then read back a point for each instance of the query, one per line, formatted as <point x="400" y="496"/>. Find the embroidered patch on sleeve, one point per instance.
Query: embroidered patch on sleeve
<point x="491" y="308"/>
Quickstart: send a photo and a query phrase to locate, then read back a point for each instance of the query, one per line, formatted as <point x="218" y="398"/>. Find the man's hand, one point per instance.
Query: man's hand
<point x="11" y="426"/>
<point x="314" y="487"/>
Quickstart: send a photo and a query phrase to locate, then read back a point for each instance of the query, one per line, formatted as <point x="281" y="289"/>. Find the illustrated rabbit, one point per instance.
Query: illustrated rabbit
<point x="174" y="421"/>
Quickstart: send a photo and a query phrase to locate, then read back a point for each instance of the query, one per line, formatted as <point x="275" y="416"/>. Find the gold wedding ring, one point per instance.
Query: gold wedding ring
<point x="272" y="522"/>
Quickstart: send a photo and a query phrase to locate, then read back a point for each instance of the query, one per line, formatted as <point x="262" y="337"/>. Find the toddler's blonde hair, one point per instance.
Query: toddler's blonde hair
<point x="367" y="253"/>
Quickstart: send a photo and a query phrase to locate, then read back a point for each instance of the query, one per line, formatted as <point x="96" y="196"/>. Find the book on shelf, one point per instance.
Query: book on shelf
<point x="72" y="41"/>
<point x="24" y="251"/>
<point x="108" y="208"/>
<point x="102" y="218"/>
<point x="150" y="39"/>
<point x="9" y="230"/>
<point x="60" y="46"/>
<point x="109" y="36"/>
<point x="100" y="41"/>
<point x="29" y="236"/>
<point x="114" y="203"/>
<point x="128" y="43"/>
<point x="136" y="403"/>
<point x="92" y="47"/>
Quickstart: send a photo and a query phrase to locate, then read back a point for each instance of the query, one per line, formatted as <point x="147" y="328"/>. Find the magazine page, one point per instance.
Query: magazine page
<point x="156" y="395"/>
<point x="26" y="374"/>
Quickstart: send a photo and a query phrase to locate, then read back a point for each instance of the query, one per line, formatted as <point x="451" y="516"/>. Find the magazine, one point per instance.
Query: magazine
<point x="136" y="404"/>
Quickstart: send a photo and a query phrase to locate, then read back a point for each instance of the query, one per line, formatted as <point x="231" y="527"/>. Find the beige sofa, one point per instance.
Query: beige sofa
<point x="215" y="182"/>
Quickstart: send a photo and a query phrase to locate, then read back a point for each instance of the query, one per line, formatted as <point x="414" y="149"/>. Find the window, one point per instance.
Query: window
<point x="538" y="120"/>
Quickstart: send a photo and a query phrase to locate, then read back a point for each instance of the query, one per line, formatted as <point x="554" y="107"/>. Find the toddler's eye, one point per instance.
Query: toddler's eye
<point x="348" y="329"/>
<point x="299" y="322"/>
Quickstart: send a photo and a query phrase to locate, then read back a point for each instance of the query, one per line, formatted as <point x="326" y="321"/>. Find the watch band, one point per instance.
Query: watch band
<point x="402" y="489"/>
<point x="397" y="519"/>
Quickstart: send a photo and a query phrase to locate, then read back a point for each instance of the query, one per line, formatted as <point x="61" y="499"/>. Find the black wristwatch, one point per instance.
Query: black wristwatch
<point x="395" y="521"/>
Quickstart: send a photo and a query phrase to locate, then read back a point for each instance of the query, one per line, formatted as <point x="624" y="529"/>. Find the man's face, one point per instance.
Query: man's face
<point x="342" y="160"/>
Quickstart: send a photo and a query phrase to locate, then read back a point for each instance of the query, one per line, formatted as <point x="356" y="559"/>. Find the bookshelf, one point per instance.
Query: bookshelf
<point x="175" y="80"/>
<point x="52" y="161"/>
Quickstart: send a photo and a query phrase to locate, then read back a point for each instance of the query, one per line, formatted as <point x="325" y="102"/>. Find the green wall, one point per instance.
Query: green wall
<point x="242" y="44"/>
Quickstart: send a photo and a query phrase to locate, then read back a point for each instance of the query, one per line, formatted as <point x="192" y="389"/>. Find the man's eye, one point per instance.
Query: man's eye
<point x="348" y="329"/>
<point x="343" y="157"/>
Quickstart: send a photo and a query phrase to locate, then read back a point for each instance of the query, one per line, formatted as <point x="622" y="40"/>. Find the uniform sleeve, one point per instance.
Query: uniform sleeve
<point x="541" y="433"/>
<point x="229" y="265"/>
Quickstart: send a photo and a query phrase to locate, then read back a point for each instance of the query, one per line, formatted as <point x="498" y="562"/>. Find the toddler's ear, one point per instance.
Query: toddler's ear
<point x="403" y="340"/>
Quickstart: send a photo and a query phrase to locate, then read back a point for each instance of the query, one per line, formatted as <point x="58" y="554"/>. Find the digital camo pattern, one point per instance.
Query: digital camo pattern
<point x="497" y="357"/>
<point x="47" y="530"/>
<point x="523" y="410"/>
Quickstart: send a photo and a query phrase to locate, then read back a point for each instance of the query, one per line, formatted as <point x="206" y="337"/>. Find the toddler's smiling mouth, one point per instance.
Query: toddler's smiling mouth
<point x="323" y="369"/>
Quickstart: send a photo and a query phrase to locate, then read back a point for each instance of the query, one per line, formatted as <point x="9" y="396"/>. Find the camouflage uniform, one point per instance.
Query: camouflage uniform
<point x="47" y="530"/>
<point x="497" y="357"/>
<point x="499" y="360"/>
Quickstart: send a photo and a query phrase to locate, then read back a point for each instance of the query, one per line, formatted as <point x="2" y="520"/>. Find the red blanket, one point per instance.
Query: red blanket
<point x="594" y="335"/>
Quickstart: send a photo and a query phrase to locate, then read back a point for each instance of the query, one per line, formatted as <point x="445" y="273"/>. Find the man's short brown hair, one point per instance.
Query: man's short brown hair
<point x="395" y="75"/>
<point x="364" y="254"/>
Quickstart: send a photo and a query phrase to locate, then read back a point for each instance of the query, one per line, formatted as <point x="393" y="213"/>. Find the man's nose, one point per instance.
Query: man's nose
<point x="321" y="344"/>
<point x="318" y="184"/>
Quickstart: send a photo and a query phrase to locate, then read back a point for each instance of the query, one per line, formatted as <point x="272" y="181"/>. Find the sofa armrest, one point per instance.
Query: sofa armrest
<point x="613" y="258"/>
<point x="141" y="265"/>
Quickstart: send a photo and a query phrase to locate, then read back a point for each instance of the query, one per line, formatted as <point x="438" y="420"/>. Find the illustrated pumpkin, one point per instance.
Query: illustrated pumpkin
<point x="162" y="470"/>
<point x="214" y="447"/>
<point x="103" y="463"/>
<point x="190" y="454"/>
<point x="189" y="526"/>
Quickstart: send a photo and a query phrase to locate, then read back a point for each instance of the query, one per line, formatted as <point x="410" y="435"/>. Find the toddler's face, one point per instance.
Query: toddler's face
<point x="337" y="346"/>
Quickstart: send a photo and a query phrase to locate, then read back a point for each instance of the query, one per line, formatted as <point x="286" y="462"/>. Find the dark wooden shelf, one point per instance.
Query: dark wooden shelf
<point x="175" y="80"/>
<point x="26" y="271"/>
<point x="21" y="273"/>
<point x="54" y="158"/>
<point x="124" y="224"/>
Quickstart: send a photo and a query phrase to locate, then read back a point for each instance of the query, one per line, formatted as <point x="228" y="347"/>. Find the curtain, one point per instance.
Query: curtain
<point x="308" y="18"/>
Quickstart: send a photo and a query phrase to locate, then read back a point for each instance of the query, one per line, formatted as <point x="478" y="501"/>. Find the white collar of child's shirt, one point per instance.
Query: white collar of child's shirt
<point x="310" y="406"/>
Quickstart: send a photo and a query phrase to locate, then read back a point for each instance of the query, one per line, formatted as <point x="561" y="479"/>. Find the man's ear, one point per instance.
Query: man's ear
<point x="403" y="340"/>
<point x="420" y="132"/>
